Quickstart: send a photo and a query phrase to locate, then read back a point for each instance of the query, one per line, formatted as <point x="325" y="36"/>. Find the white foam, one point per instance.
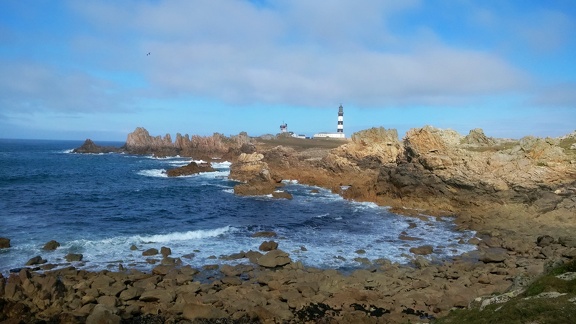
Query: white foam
<point x="162" y="158"/>
<point x="157" y="173"/>
<point x="67" y="151"/>
<point x="221" y="165"/>
<point x="184" y="236"/>
<point x="178" y="163"/>
<point x="214" y="174"/>
<point x="290" y="181"/>
<point x="366" y="205"/>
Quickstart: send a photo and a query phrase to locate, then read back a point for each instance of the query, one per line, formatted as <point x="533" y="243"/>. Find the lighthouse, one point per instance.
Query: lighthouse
<point x="340" y="129"/>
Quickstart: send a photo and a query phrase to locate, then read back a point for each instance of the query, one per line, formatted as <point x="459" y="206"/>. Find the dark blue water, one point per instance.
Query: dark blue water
<point x="101" y="204"/>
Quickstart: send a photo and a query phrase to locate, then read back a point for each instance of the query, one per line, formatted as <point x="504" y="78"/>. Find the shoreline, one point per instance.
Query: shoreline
<point x="518" y="197"/>
<point x="274" y="288"/>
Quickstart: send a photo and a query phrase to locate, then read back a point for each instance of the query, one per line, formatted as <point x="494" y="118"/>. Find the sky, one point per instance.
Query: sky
<point x="99" y="69"/>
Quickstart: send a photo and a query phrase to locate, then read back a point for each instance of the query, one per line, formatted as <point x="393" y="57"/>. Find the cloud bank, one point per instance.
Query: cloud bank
<point x="298" y="53"/>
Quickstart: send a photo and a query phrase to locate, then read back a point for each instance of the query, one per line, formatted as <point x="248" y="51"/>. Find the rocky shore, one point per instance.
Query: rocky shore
<point x="268" y="287"/>
<point x="519" y="195"/>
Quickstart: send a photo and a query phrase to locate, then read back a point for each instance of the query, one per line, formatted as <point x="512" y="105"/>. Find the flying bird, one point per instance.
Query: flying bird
<point x="148" y="54"/>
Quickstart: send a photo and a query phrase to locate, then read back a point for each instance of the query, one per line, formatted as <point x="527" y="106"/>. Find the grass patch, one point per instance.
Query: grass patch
<point x="300" y="144"/>
<point x="526" y="308"/>
<point x="537" y="310"/>
<point x="565" y="144"/>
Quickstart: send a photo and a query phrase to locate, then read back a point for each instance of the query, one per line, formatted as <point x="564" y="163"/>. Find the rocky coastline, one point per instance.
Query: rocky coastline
<point x="519" y="195"/>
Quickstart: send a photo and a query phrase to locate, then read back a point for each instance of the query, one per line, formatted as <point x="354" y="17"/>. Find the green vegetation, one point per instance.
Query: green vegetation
<point x="300" y="144"/>
<point x="565" y="144"/>
<point x="529" y="307"/>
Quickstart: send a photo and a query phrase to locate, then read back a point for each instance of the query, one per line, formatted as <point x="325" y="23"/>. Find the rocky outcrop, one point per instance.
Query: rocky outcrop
<point x="189" y="169"/>
<point x="474" y="177"/>
<point x="250" y="167"/>
<point x="254" y="172"/>
<point x="90" y="147"/>
<point x="203" y="147"/>
<point x="529" y="183"/>
<point x="140" y="141"/>
<point x="476" y="137"/>
<point x="371" y="148"/>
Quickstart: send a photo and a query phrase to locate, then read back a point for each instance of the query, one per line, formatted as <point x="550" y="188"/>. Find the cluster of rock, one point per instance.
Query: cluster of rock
<point x="269" y="287"/>
<point x="200" y="147"/>
<point x="485" y="181"/>
<point x="217" y="145"/>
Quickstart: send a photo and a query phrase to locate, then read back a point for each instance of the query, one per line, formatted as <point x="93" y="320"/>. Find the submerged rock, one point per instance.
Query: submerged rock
<point x="191" y="168"/>
<point x="50" y="246"/>
<point x="4" y="243"/>
<point x="36" y="260"/>
<point x="74" y="257"/>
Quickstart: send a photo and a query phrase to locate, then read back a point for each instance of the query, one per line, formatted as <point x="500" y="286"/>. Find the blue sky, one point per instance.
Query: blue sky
<point x="80" y="69"/>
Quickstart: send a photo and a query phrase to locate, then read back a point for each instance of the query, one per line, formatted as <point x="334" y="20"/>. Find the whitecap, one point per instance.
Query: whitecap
<point x="157" y="173"/>
<point x="184" y="236"/>
<point x="366" y="205"/>
<point x="214" y="174"/>
<point x="153" y="157"/>
<point x="221" y="165"/>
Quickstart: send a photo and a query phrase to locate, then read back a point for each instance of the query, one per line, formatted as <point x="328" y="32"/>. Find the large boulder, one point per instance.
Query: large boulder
<point x="70" y="257"/>
<point x="36" y="260"/>
<point x="268" y="246"/>
<point x="274" y="258"/>
<point x="250" y="167"/>
<point x="51" y="246"/>
<point x="197" y="312"/>
<point x="422" y="250"/>
<point x="4" y="243"/>
<point x="103" y="314"/>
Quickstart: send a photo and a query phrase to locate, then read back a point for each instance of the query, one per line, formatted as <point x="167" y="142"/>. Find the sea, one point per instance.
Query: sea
<point x="101" y="205"/>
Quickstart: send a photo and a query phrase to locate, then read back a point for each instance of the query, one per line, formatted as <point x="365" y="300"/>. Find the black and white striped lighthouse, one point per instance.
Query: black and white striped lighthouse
<point x="340" y="120"/>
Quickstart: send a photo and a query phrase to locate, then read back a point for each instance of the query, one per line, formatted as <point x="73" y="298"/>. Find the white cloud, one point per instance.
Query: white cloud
<point x="289" y="52"/>
<point x="559" y="95"/>
<point x="302" y="53"/>
<point x="27" y="87"/>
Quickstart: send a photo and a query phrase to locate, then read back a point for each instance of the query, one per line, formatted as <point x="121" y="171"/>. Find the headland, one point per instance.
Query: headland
<point x="519" y="195"/>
